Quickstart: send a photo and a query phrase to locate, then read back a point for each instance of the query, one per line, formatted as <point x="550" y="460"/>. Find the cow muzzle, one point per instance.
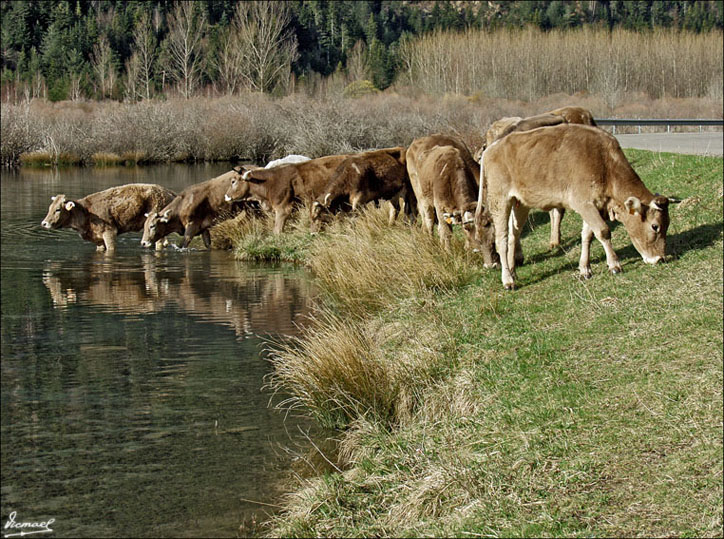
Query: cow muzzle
<point x="653" y="260"/>
<point x="145" y="243"/>
<point x="227" y="198"/>
<point x="45" y="224"/>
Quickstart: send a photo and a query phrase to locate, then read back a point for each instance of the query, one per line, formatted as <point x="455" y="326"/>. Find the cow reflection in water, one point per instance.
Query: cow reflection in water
<point x="249" y="301"/>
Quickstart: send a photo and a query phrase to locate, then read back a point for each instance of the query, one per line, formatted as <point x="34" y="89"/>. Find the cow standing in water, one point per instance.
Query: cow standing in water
<point x="100" y="217"/>
<point x="569" y="166"/>
<point x="192" y="212"/>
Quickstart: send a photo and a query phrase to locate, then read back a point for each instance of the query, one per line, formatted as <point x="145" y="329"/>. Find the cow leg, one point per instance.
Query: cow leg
<point x="556" y="217"/>
<point x="427" y="212"/>
<point x="518" y="215"/>
<point x="206" y="235"/>
<point x="444" y="230"/>
<point x="590" y="215"/>
<point x="109" y="239"/>
<point x="501" y="214"/>
<point x="393" y="211"/>
<point x="280" y="219"/>
<point x="189" y="232"/>
<point x="584" y="266"/>
<point x="160" y="244"/>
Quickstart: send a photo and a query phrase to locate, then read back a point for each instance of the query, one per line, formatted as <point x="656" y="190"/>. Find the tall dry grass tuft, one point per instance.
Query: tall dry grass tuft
<point x="366" y="264"/>
<point x="336" y="371"/>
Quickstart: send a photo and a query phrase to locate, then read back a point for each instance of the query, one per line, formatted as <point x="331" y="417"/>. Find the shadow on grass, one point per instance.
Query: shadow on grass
<point x="700" y="237"/>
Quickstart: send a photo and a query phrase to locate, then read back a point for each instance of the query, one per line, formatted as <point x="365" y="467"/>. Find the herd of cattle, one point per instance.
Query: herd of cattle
<point x="553" y="161"/>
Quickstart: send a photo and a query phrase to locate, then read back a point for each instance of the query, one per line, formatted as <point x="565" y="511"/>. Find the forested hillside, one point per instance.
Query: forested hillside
<point x="132" y="50"/>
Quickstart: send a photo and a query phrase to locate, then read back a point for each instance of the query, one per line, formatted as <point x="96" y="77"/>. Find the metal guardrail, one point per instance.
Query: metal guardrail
<point x="668" y="122"/>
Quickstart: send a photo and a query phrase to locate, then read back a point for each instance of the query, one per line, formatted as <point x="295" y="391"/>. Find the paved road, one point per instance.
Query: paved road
<point x="711" y="143"/>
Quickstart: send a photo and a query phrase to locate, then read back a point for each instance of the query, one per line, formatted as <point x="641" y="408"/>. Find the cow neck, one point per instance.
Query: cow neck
<point x="79" y="218"/>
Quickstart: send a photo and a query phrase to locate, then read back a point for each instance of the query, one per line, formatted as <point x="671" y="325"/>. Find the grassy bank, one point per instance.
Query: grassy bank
<point x="565" y="408"/>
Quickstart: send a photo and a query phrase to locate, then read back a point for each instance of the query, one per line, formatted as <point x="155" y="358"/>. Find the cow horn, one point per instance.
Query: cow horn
<point x="246" y="175"/>
<point x="468" y="217"/>
<point x="69" y="205"/>
<point x="326" y="199"/>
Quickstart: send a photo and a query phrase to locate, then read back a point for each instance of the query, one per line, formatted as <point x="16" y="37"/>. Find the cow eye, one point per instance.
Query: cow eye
<point x="57" y="210"/>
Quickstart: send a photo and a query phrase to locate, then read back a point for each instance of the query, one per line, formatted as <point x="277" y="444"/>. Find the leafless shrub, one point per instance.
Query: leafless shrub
<point x="19" y="133"/>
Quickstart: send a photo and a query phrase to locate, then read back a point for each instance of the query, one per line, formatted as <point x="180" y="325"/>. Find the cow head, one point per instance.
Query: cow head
<point x="155" y="227"/>
<point x="59" y="213"/>
<point x="647" y="225"/>
<point x="239" y="188"/>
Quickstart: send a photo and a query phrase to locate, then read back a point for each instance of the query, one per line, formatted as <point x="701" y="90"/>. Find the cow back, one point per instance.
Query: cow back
<point x="125" y="206"/>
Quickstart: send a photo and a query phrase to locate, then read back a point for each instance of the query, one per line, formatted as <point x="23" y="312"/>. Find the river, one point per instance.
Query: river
<point x="132" y="383"/>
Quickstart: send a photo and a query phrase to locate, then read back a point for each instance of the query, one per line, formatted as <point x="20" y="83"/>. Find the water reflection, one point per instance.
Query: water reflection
<point x="129" y="408"/>
<point x="252" y="301"/>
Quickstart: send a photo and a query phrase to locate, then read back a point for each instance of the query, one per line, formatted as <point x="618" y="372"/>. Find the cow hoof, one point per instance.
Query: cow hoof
<point x="616" y="270"/>
<point x="586" y="273"/>
<point x="510" y="286"/>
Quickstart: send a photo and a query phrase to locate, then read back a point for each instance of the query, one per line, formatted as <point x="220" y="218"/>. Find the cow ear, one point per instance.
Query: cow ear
<point x="633" y="205"/>
<point x="53" y="198"/>
<point x="69" y="205"/>
<point x="165" y="216"/>
<point x="146" y="214"/>
<point x="659" y="203"/>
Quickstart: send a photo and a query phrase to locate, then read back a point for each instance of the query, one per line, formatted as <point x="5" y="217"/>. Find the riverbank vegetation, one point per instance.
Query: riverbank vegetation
<point x="258" y="127"/>
<point x="565" y="408"/>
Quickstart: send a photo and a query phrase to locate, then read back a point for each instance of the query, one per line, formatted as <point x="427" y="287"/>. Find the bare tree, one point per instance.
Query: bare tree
<point x="145" y="48"/>
<point x="187" y="25"/>
<point x="229" y="60"/>
<point x="357" y="64"/>
<point x="132" y="76"/>
<point x="103" y="67"/>
<point x="266" y="45"/>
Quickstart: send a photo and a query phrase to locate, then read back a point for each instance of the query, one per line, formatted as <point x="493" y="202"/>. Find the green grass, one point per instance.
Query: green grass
<point x="565" y="408"/>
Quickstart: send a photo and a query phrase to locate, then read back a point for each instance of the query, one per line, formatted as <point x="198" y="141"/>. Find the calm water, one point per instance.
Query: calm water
<point x="132" y="401"/>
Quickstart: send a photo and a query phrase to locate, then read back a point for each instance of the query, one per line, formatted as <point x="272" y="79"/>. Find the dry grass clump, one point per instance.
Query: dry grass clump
<point x="106" y="159"/>
<point x="365" y="265"/>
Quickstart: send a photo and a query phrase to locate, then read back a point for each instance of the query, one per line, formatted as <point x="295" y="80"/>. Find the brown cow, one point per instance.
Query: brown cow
<point x="281" y="187"/>
<point x="505" y="126"/>
<point x="101" y="216"/>
<point x="577" y="167"/>
<point x="575" y="115"/>
<point x="443" y="177"/>
<point x="365" y="177"/>
<point x="192" y="212"/>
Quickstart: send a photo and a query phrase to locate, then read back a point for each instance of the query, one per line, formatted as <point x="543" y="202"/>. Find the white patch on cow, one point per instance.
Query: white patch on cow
<point x="289" y="159"/>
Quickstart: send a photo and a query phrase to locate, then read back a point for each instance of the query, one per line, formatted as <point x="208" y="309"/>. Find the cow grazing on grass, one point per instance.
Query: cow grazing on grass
<point x="366" y="177"/>
<point x="100" y="217"/>
<point x="505" y="126"/>
<point x="570" y="166"/>
<point x="443" y="177"/>
<point x="191" y="213"/>
<point x="280" y="188"/>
